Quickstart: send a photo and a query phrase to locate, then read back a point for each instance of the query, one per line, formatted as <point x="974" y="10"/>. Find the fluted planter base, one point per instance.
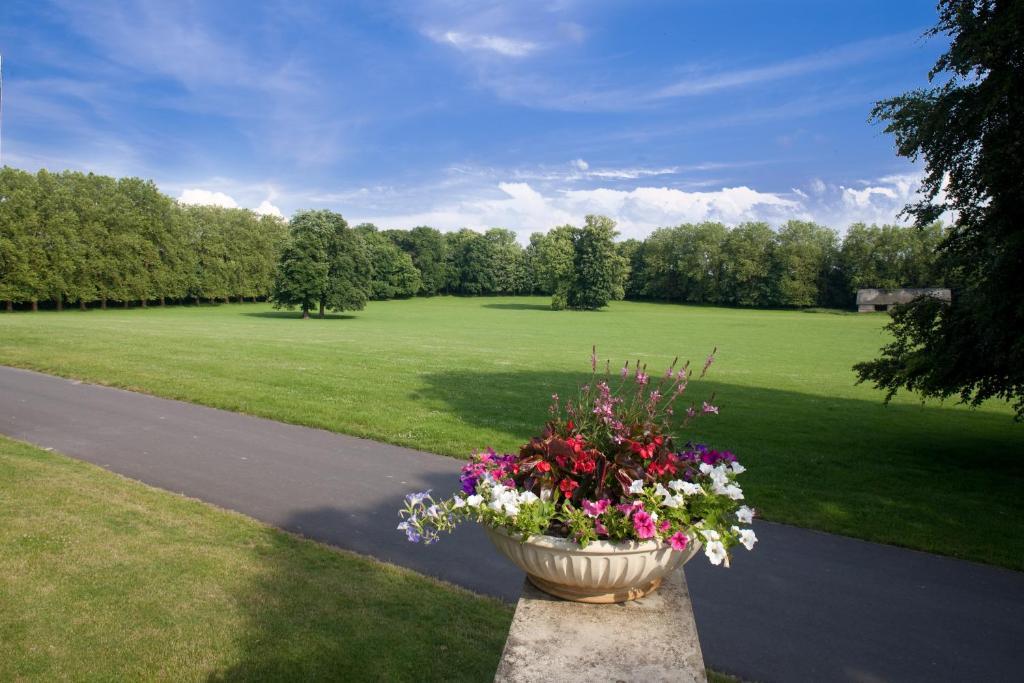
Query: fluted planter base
<point x="603" y="572"/>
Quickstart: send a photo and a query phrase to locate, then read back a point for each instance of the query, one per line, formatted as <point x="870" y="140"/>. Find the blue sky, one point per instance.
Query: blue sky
<point x="520" y="115"/>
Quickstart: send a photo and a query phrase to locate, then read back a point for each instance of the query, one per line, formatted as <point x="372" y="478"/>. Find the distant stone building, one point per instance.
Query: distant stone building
<point x="870" y="300"/>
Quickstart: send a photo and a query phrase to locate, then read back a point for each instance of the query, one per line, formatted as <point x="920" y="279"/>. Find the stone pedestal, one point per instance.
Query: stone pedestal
<point x="650" y="639"/>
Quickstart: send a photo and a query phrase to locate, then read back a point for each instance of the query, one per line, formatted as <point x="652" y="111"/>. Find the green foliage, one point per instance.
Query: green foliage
<point x="393" y="273"/>
<point x="549" y="260"/>
<point x="599" y="271"/>
<point x="747" y="254"/>
<point x="426" y="247"/>
<point x="970" y="132"/>
<point x="324" y="263"/>
<point x="492" y="263"/>
<point x="72" y="237"/>
<point x="801" y="255"/>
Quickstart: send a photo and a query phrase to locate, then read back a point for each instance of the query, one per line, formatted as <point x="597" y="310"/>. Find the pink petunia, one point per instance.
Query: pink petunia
<point x="643" y="524"/>
<point x="595" y="509"/>
<point x="678" y="541"/>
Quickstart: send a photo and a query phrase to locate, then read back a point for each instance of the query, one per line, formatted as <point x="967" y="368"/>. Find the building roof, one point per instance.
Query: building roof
<point x="888" y="297"/>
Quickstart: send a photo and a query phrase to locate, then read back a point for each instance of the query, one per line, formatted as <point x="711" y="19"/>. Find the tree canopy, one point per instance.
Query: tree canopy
<point x="969" y="130"/>
<point x="324" y="263"/>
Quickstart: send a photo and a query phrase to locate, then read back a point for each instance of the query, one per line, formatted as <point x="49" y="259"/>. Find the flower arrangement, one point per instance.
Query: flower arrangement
<point x="605" y="468"/>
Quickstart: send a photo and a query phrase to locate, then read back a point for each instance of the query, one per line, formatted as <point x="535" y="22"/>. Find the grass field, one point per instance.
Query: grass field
<point x="102" y="578"/>
<point x="452" y="375"/>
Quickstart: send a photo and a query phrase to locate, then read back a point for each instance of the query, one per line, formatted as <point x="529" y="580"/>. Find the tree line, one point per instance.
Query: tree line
<point x="83" y="238"/>
<point x="75" y="238"/>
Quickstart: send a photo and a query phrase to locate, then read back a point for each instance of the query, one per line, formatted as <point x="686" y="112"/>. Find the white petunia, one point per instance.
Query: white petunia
<point x="747" y="538"/>
<point x="527" y="497"/>
<point x="403" y="526"/>
<point x="637" y="486"/>
<point x="745" y="514"/>
<point x="676" y="485"/>
<point x="719" y="475"/>
<point x="690" y="489"/>
<point x="660" y="490"/>
<point x="706" y="468"/>
<point x="474" y="501"/>
<point x="733" y="491"/>
<point x="716" y="554"/>
<point x="459" y="503"/>
<point x="738" y="468"/>
<point x="710" y="534"/>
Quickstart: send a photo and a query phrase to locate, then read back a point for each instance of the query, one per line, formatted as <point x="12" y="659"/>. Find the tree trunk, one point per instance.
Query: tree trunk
<point x="60" y="303"/>
<point x="305" y="312"/>
<point x="81" y="304"/>
<point x="321" y="309"/>
<point x="103" y="304"/>
<point x="35" y="305"/>
<point x="126" y="304"/>
<point x="196" y="299"/>
<point x="143" y="303"/>
<point x="9" y="306"/>
<point x="163" y="302"/>
<point x="227" y="299"/>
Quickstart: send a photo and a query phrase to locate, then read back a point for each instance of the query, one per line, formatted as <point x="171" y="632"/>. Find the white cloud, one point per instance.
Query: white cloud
<point x="207" y="198"/>
<point x="524" y="209"/>
<point x="580" y="164"/>
<point x="267" y="209"/>
<point x="508" y="47"/>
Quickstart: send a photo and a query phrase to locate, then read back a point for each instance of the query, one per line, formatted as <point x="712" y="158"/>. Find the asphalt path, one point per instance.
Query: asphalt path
<point x="804" y="606"/>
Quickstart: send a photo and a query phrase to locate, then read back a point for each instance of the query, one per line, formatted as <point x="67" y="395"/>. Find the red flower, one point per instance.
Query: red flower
<point x="543" y="466"/>
<point x="570" y="425"/>
<point x="585" y="464"/>
<point x="645" y="451"/>
<point x="567" y="486"/>
<point x="575" y="443"/>
<point x="658" y="469"/>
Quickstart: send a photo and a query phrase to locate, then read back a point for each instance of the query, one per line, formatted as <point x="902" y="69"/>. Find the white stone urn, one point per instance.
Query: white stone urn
<point x="603" y="572"/>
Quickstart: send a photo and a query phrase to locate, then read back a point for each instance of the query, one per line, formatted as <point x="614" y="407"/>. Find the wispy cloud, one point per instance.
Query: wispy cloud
<point x="842" y="56"/>
<point x="610" y="92"/>
<point x="508" y="47"/>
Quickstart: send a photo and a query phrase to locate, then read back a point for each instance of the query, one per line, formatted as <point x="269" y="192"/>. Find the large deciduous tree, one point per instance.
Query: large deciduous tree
<point x="324" y="263"/>
<point x="599" y="271"/>
<point x="969" y="129"/>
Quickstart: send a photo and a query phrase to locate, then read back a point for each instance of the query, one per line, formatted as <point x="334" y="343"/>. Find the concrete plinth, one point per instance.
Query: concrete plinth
<point x="650" y="639"/>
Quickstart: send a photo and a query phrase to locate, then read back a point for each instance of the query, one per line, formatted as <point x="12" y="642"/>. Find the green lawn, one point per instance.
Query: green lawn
<point x="102" y="578"/>
<point x="451" y="375"/>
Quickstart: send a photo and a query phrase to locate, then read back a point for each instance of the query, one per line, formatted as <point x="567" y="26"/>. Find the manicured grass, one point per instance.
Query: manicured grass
<point x="452" y="375"/>
<point x="103" y="578"/>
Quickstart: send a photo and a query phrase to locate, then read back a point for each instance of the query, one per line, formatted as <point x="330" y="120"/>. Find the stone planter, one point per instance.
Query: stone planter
<point x="603" y="572"/>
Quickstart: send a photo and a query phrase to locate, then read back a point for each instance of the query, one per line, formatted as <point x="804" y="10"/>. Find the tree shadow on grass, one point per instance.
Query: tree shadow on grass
<point x="925" y="476"/>
<point x="297" y="315"/>
<point x="519" y="307"/>
<point x="315" y="613"/>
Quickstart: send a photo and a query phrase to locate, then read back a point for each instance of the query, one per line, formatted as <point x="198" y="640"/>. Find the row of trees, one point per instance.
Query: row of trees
<point x="801" y="264"/>
<point x="76" y="238"/>
<point x="80" y="238"/>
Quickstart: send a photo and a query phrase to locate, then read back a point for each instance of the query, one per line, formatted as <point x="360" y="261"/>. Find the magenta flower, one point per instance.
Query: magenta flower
<point x="595" y="509"/>
<point x="678" y="541"/>
<point x="600" y="528"/>
<point x="643" y="524"/>
<point x="708" y="408"/>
